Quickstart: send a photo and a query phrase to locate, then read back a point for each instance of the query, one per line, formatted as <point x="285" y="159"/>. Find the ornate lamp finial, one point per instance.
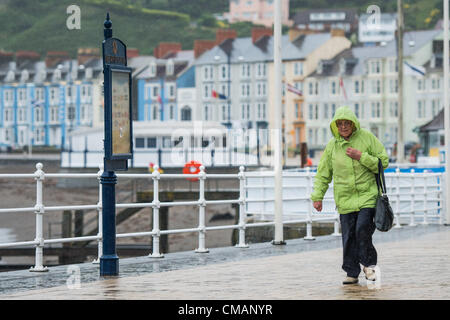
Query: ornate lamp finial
<point x="107" y="24"/>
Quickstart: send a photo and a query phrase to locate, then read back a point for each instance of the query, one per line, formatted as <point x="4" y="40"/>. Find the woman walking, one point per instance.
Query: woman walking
<point x="350" y="159"/>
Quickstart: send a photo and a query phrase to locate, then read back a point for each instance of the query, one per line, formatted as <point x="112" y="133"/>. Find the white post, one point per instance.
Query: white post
<point x="309" y="235"/>
<point x="336" y="232"/>
<point x="425" y="201"/>
<point x="242" y="211"/>
<point x="278" y="161"/>
<point x="99" y="213"/>
<point x="39" y="211"/>
<point x="412" y="222"/>
<point x="446" y="113"/>
<point x="441" y="198"/>
<point x="201" y="212"/>
<point x="397" y="172"/>
<point x="156" y="205"/>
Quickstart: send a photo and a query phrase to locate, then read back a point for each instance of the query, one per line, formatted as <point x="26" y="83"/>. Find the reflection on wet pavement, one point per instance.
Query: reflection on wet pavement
<point x="411" y="268"/>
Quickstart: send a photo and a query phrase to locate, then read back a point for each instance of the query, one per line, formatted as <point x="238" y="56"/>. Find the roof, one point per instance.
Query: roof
<point x="435" y="124"/>
<point x="359" y="55"/>
<point x="243" y="49"/>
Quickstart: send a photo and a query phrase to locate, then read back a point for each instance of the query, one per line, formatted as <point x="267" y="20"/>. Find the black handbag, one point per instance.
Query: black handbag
<point x="384" y="216"/>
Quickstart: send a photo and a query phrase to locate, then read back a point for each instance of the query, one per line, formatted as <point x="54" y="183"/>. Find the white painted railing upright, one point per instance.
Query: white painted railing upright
<point x="413" y="187"/>
<point x="242" y="209"/>
<point x="156" y="205"/>
<point x="309" y="235"/>
<point x="99" y="216"/>
<point x="425" y="201"/>
<point x="39" y="211"/>
<point x="201" y="213"/>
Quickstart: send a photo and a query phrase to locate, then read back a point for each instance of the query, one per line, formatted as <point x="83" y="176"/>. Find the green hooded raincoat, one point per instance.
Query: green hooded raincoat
<point x="354" y="181"/>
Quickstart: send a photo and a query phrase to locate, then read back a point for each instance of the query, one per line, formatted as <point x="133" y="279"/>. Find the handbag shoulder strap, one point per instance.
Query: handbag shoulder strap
<point x="379" y="177"/>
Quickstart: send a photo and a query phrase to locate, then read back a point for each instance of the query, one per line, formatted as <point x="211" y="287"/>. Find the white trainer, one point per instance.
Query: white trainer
<point x="350" y="280"/>
<point x="370" y="273"/>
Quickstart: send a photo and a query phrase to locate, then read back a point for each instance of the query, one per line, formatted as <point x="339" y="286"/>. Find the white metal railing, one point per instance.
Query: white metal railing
<point x="403" y="190"/>
<point x="414" y="196"/>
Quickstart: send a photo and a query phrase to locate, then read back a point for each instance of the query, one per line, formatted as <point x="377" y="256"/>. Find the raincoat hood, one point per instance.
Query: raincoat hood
<point x="343" y="113"/>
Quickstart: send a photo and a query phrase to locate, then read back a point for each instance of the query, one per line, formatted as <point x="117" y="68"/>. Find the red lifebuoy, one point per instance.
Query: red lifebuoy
<point x="192" y="167"/>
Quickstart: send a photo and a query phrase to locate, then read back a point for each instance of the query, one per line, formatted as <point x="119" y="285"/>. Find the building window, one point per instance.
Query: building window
<point x="224" y="109"/>
<point x="261" y="111"/>
<point x="313" y="111"/>
<point x="54" y="98"/>
<point x="208" y="73"/>
<point x="206" y="113"/>
<point x="245" y="111"/>
<point x="171" y="112"/>
<point x="435" y="106"/>
<point x="166" y="142"/>
<point x="8" y="97"/>
<point x="356" y="87"/>
<point x="54" y="114"/>
<point x="376" y="86"/>
<point x="375" y="67"/>
<point x="260" y="70"/>
<point x="421" y="85"/>
<point x="245" y="70"/>
<point x="393" y="109"/>
<point x="334" y="87"/>
<point x="333" y="109"/>
<point x="245" y="89"/>
<point x="151" y="143"/>
<point x="313" y="88"/>
<point x="223" y="72"/>
<point x="186" y="114"/>
<point x="376" y="110"/>
<point x="171" y="90"/>
<point x="298" y="68"/>
<point x="156" y="112"/>
<point x="324" y="135"/>
<point x="261" y="89"/>
<point x="357" y="110"/>
<point x="154" y="91"/>
<point x="393" y="86"/>
<point x="39" y="93"/>
<point x="39" y="135"/>
<point x="421" y="112"/>
<point x="207" y="89"/>
<point x="140" y="143"/>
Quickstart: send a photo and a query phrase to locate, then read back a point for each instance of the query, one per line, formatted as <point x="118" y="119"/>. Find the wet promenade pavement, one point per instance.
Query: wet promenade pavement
<point x="413" y="264"/>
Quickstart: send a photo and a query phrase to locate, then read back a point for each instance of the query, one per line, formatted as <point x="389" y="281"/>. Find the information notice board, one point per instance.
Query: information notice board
<point x="120" y="113"/>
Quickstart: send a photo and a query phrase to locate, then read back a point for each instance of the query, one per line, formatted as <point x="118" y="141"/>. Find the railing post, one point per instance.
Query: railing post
<point x="441" y="198"/>
<point x="336" y="232"/>
<point x="156" y="205"/>
<point x="397" y="202"/>
<point x="309" y="235"/>
<point x="242" y="210"/>
<point x="201" y="212"/>
<point x="412" y="222"/>
<point x="100" y="220"/>
<point x="39" y="211"/>
<point x="425" y="200"/>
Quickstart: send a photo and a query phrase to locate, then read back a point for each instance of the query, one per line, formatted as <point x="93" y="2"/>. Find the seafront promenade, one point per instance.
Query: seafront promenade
<point x="413" y="264"/>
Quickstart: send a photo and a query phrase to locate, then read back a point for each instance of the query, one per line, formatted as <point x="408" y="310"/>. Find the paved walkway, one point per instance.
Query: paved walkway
<point x="413" y="260"/>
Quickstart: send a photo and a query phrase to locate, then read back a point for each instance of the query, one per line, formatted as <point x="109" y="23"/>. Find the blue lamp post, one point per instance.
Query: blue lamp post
<point x="118" y="139"/>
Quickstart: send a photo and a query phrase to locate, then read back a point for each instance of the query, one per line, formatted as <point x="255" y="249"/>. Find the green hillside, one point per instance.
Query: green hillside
<point x="41" y="25"/>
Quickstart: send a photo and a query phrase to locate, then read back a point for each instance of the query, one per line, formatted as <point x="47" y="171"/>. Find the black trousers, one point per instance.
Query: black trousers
<point x="357" y="229"/>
